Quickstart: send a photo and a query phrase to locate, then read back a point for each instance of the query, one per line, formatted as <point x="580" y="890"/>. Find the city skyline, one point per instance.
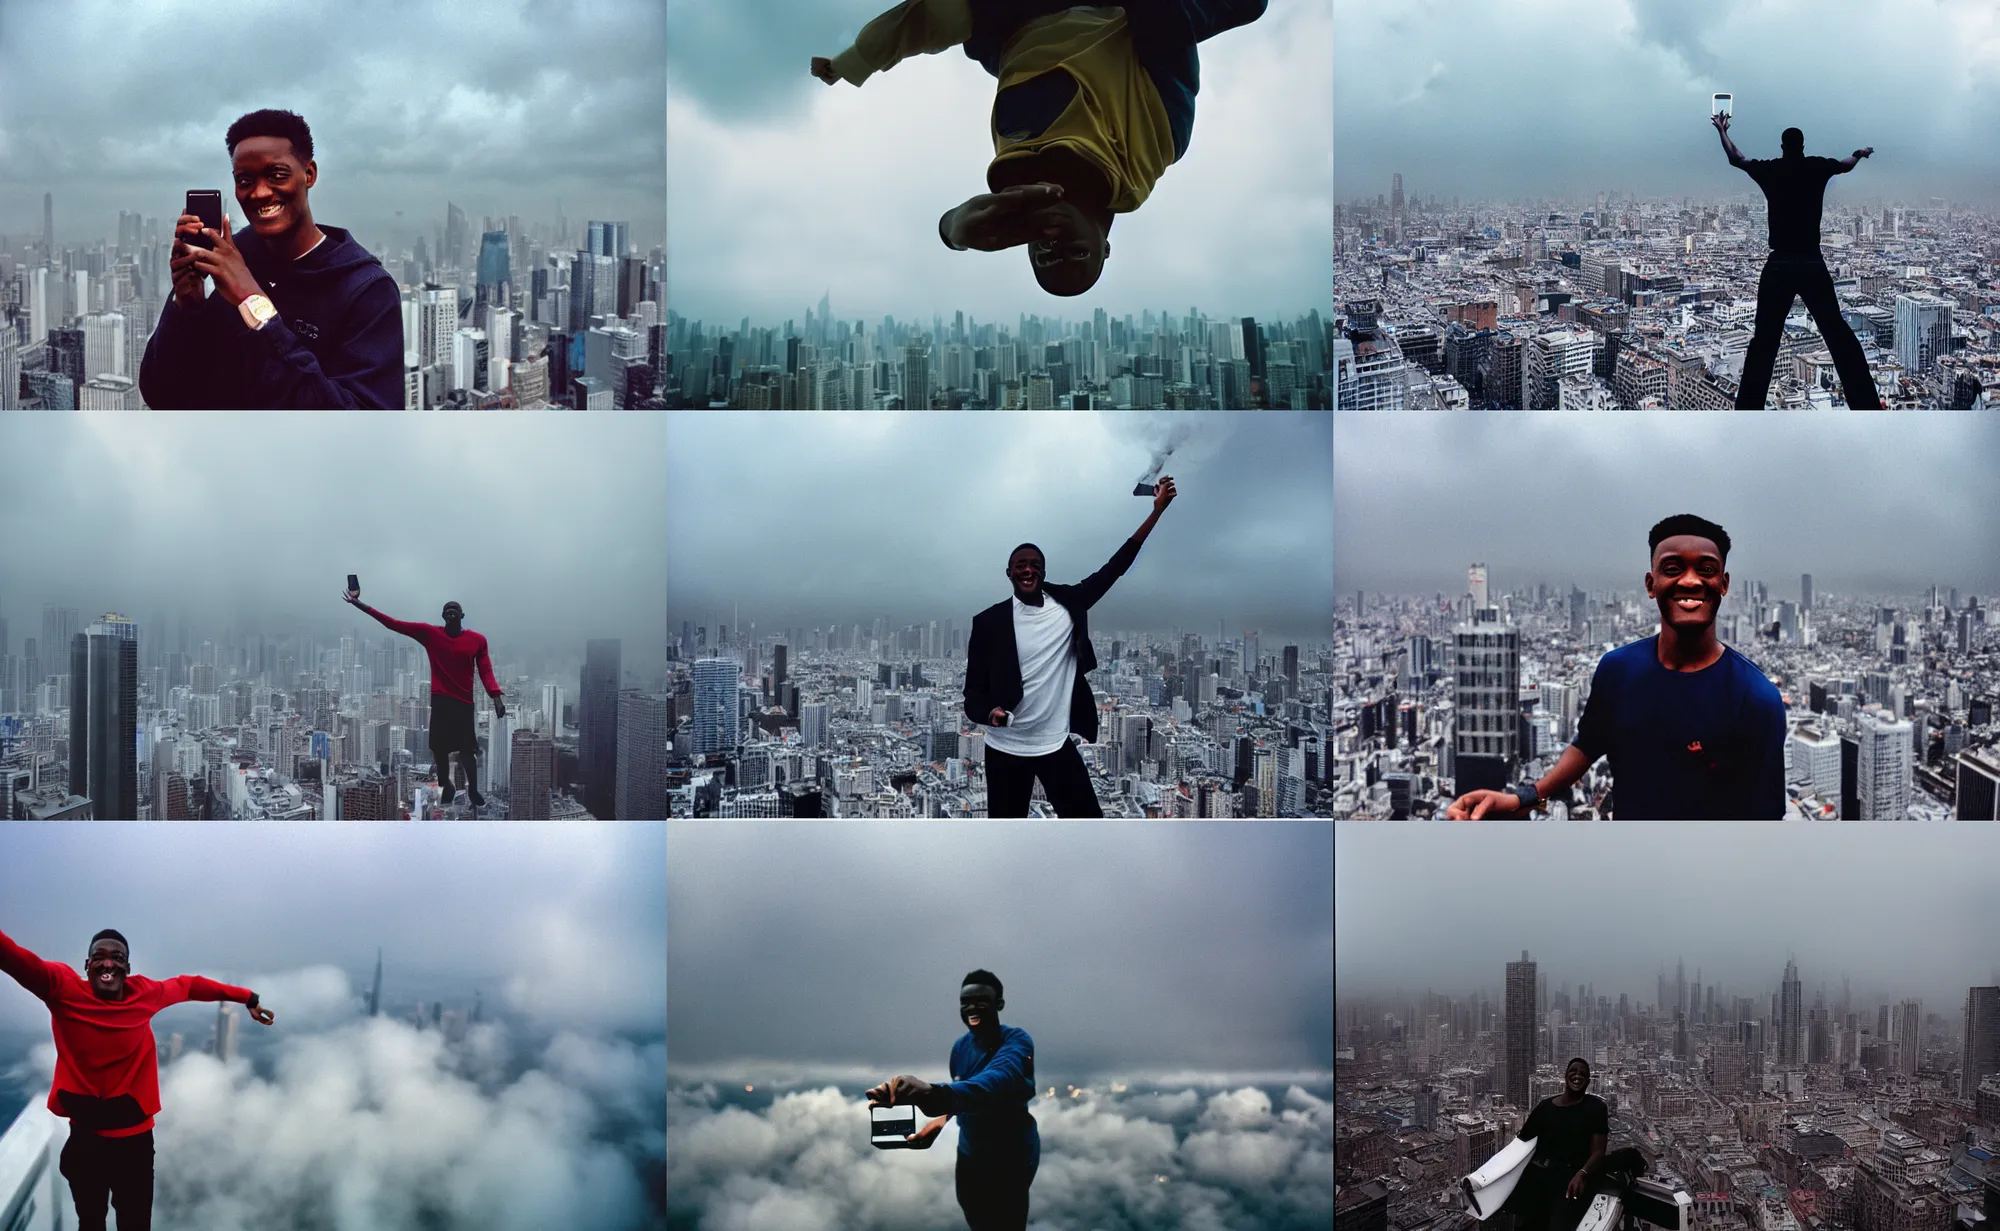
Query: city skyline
<point x="1240" y="221"/>
<point x="1411" y="97"/>
<point x="509" y="120"/>
<point x="1580" y="517"/>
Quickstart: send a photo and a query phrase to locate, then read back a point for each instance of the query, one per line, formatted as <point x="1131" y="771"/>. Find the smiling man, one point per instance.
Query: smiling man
<point x="302" y="316"/>
<point x="455" y="651"/>
<point x="992" y="1079"/>
<point x="1570" y="1131"/>
<point x="107" y="1081"/>
<point x="1025" y="662"/>
<point x="1693" y="729"/>
<point x="1095" y="102"/>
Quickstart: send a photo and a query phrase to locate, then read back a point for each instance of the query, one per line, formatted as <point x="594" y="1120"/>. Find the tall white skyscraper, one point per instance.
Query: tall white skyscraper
<point x="1882" y="769"/>
<point x="499" y="750"/>
<point x="812" y="723"/>
<point x="552" y="704"/>
<point x="1923" y="330"/>
<point x="1475" y="580"/>
<point x="104" y="345"/>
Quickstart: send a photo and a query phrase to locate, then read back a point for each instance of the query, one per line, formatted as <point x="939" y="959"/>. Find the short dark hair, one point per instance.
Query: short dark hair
<point x="1577" y="1060"/>
<point x="111" y="934"/>
<point x="1031" y="547"/>
<point x="988" y="978"/>
<point x="268" y="123"/>
<point x="1792" y="139"/>
<point x="1688" y="523"/>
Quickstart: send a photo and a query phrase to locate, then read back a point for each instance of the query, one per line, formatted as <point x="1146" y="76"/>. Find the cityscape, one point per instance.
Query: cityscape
<point x="505" y="314"/>
<point x="1624" y="302"/>
<point x="1152" y="361"/>
<point x="1781" y="1064"/>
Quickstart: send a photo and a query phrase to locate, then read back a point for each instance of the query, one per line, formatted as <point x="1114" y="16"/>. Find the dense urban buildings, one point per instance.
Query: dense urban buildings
<point x="1152" y="361"/>
<point x="1889" y="698"/>
<point x="515" y="315"/>
<point x="1628" y="302"/>
<point x="848" y="720"/>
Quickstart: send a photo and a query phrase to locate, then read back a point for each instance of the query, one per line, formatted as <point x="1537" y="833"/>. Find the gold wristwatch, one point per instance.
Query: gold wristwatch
<point x="255" y="310"/>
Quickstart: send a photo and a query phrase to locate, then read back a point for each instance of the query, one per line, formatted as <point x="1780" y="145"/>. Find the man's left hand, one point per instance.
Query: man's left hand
<point x="262" y="1016"/>
<point x="1163" y="494"/>
<point x="1576" y="1185"/>
<point x="499" y="707"/>
<point x="1865" y="151"/>
<point x="225" y="264"/>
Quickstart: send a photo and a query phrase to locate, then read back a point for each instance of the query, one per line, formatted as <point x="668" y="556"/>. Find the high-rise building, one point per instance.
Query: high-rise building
<point x="1982" y="1038"/>
<point x="716" y="727"/>
<point x="1791" y="1018"/>
<point x="1805" y="591"/>
<point x="375" y="993"/>
<point x="532" y="776"/>
<point x="493" y="281"/>
<point x="1978" y="797"/>
<point x="499" y="752"/>
<point x="104" y="721"/>
<point x="1475" y="584"/>
<point x="1923" y="331"/>
<point x="225" y="1031"/>
<point x="812" y="724"/>
<point x="1487" y="720"/>
<point x="916" y="376"/>
<point x="597" y="727"/>
<point x="1882" y="770"/>
<point x="643" y="729"/>
<point x="1909" y="1036"/>
<point x="1521" y="1026"/>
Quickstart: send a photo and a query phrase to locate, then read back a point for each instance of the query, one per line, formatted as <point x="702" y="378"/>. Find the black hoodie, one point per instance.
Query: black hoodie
<point x="336" y="343"/>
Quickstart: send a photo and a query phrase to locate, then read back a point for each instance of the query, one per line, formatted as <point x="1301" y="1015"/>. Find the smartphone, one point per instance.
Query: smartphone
<point x="205" y="204"/>
<point x="1722" y="104"/>
<point x="353" y="585"/>
<point x="888" y="1126"/>
<point x="1145" y="489"/>
<point x="1005" y="718"/>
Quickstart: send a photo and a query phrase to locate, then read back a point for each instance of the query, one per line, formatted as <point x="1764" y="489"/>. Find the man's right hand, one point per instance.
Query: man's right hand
<point x="190" y="286"/>
<point x="1009" y="218"/>
<point x="1865" y="151"/>
<point x="998" y="718"/>
<point x="823" y="69"/>
<point x="1720" y="120"/>
<point x="1479" y="805"/>
<point x="351" y="596"/>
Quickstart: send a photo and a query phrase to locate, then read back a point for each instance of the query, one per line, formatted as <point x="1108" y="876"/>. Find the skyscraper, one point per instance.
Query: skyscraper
<point x="1909" y="1036"/>
<point x="532" y="775"/>
<point x="1475" y="584"/>
<point x="375" y="993"/>
<point x="643" y="729"/>
<point x="812" y="724"/>
<point x="499" y="752"/>
<point x="715" y="722"/>
<point x="1923" y="331"/>
<point x="225" y="1031"/>
<point x="492" y="270"/>
<point x="597" y="727"/>
<point x="1882" y="772"/>
<point x="49" y="222"/>
<point x="1791" y="1018"/>
<point x="1521" y="1023"/>
<point x="1805" y="591"/>
<point x="1486" y="726"/>
<point x="916" y="377"/>
<point x="1982" y="1038"/>
<point x="104" y="721"/>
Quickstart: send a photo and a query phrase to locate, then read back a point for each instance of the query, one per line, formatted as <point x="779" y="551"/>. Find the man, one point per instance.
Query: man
<point x="1570" y="1131"/>
<point x="1094" y="104"/>
<point x="453" y="649"/>
<point x="992" y="1079"/>
<point x="302" y="317"/>
<point x="1795" y="190"/>
<point x="1693" y="729"/>
<point x="1024" y="666"/>
<point x="107" y="1081"/>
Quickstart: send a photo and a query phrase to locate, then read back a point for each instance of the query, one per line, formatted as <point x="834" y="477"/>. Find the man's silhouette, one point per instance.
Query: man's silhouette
<point x="1094" y="104"/>
<point x="107" y="1082"/>
<point x="1025" y="663"/>
<point x="454" y="650"/>
<point x="992" y="1079"/>
<point x="1795" y="190"/>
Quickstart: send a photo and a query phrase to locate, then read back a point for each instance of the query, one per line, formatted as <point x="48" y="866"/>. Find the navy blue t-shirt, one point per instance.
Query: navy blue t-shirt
<point x="1705" y="745"/>
<point x="990" y="1092"/>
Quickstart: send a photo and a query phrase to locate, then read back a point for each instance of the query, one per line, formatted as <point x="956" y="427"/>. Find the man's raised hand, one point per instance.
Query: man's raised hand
<point x="822" y="68"/>
<point x="262" y="1016"/>
<point x="1009" y="218"/>
<point x="351" y="596"/>
<point x="1720" y="120"/>
<point x="1163" y="494"/>
<point x="1865" y="151"/>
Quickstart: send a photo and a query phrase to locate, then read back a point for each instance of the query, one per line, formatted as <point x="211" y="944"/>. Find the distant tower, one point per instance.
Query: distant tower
<point x="478" y="1009"/>
<point x="225" y="1032"/>
<point x="1475" y="583"/>
<point x="1521" y="1023"/>
<point x="375" y="995"/>
<point x="49" y="221"/>
<point x="1805" y="591"/>
<point x="597" y="727"/>
<point x="1396" y="195"/>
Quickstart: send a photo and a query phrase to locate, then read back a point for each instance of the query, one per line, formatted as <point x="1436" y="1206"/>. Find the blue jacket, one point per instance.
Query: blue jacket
<point x="989" y="1095"/>
<point x="336" y="343"/>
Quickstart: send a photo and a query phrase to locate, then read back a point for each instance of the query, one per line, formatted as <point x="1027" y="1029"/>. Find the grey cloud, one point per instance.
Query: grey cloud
<point x="1249" y="1163"/>
<point x="911" y="516"/>
<point x="1889" y="503"/>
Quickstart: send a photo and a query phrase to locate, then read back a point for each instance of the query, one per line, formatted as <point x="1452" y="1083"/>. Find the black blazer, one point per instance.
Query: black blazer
<point x="993" y="661"/>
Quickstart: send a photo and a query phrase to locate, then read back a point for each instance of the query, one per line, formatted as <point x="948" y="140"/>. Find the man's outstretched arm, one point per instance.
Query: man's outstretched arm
<point x="1721" y="123"/>
<point x="1094" y="587"/>
<point x="25" y="968"/>
<point x="199" y="987"/>
<point x="912" y="28"/>
<point x="1854" y="160"/>
<point x="406" y="627"/>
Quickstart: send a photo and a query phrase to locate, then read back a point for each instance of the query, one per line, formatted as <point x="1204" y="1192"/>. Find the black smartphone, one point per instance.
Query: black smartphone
<point x="205" y="204"/>
<point x="353" y="586"/>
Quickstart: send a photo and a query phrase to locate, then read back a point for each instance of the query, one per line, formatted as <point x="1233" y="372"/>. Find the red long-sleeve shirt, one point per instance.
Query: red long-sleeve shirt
<point x="107" y="1068"/>
<point x="451" y="657"/>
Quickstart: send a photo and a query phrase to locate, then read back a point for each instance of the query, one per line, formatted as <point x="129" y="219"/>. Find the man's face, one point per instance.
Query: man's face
<point x="1687" y="581"/>
<point x="107" y="968"/>
<point x="452" y="611"/>
<point x="1577" y="1079"/>
<point x="1024" y="569"/>
<point x="978" y="1005"/>
<point x="1069" y="255"/>
<point x="271" y="184"/>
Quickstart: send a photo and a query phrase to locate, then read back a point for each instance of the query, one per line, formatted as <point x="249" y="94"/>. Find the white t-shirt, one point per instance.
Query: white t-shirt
<point x="1040" y="722"/>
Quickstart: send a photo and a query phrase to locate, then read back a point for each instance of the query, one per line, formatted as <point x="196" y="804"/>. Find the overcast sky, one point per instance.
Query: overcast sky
<point x="1125" y="950"/>
<point x="822" y="518"/>
<point x="1881" y="502"/>
<point x="547" y="528"/>
<point x="1540" y="98"/>
<point x="1902" y="910"/>
<point x="783" y="188"/>
<point x="502" y="106"/>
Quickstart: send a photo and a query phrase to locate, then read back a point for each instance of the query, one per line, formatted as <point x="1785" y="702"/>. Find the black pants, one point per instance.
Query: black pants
<point x="1788" y="275"/>
<point x="452" y="731"/>
<point x="108" y="1172"/>
<point x="994" y="1196"/>
<point x="1010" y="780"/>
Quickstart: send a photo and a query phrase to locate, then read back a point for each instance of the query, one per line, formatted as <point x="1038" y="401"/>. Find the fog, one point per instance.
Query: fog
<point x="790" y="519"/>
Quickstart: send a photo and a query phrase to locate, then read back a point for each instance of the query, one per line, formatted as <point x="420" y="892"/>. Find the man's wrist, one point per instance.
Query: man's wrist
<point x="252" y="1002"/>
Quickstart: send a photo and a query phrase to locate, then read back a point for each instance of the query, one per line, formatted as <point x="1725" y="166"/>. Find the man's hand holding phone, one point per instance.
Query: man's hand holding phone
<point x="189" y="289"/>
<point x="998" y="718"/>
<point x="225" y="264"/>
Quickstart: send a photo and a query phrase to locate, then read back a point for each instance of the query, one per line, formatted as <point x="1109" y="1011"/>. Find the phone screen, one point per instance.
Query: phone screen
<point x="352" y="584"/>
<point x="205" y="204"/>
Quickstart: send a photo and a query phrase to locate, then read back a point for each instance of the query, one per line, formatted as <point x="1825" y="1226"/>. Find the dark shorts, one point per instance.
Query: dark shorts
<point x="451" y="724"/>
